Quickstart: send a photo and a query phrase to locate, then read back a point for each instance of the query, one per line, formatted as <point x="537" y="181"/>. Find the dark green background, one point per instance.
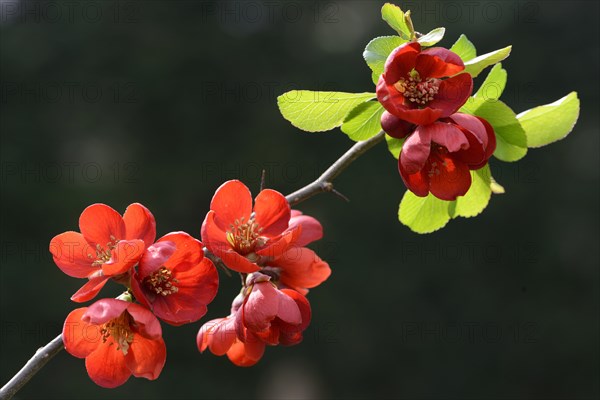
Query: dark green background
<point x="160" y="102"/>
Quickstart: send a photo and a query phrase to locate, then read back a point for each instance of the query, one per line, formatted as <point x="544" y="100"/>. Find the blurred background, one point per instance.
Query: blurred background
<point x="159" y="102"/>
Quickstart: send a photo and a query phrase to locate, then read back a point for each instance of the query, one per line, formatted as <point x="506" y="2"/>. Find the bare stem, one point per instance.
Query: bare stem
<point x="35" y="363"/>
<point x="323" y="184"/>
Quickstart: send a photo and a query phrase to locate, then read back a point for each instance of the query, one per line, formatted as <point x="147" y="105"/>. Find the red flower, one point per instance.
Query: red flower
<point x="299" y="268"/>
<point x="411" y="87"/>
<point x="437" y="158"/>
<point x="281" y="330"/>
<point x="261" y="315"/>
<point x="241" y="235"/>
<point x="220" y="336"/>
<point x="175" y="280"/>
<point x="107" y="247"/>
<point x="117" y="339"/>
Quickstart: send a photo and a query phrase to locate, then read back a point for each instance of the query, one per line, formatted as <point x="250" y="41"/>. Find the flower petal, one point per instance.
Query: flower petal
<point x="146" y="357"/>
<point x="474" y="154"/>
<point x="449" y="178"/>
<point x="302" y="268"/>
<point x="419" y="116"/>
<point x="390" y="98"/>
<point x="418" y="183"/>
<point x="261" y="306"/>
<point x="472" y="124"/>
<point x="449" y="136"/>
<point x="188" y="251"/>
<point x="395" y="127"/>
<point x="90" y="289"/>
<point x="481" y="138"/>
<point x="231" y="201"/>
<point x="234" y="261"/>
<point x="155" y="257"/>
<point x="80" y="338"/>
<point x="437" y="62"/>
<point x="274" y="248"/>
<point x="218" y="335"/>
<point x="491" y="147"/>
<point x="401" y="61"/>
<point x="99" y="224"/>
<point x="305" y="311"/>
<point x="452" y="94"/>
<point x="272" y="212"/>
<point x="106" y="366"/>
<point x="288" y="309"/>
<point x="104" y="310"/>
<point x="146" y="323"/>
<point x="312" y="229"/>
<point x="212" y="235"/>
<point x="73" y="254"/>
<point x="246" y="354"/>
<point x="124" y="256"/>
<point x="145" y="297"/>
<point x="139" y="224"/>
<point x="415" y="149"/>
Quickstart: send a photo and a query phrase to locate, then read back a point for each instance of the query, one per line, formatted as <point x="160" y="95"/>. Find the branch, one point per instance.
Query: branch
<point x="324" y="183"/>
<point x="40" y="358"/>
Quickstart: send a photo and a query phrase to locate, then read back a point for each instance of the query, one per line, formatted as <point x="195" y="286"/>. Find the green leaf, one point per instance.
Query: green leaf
<point x="496" y="187"/>
<point x="319" y="111"/>
<point x="423" y="214"/>
<point x="494" y="84"/>
<point x="432" y="37"/>
<point x="394" y="145"/>
<point x="395" y="18"/>
<point x="428" y="214"/>
<point x="464" y="48"/>
<point x="377" y="52"/>
<point x="478" y="64"/>
<point x="551" y="122"/>
<point x="364" y="121"/>
<point x="511" y="141"/>
<point x="478" y="196"/>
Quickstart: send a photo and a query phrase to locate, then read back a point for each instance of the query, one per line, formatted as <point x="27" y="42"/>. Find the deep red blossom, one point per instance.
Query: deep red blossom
<point x="117" y="339"/>
<point x="261" y="315"/>
<point x="437" y="157"/>
<point x="107" y="247"/>
<point x="175" y="280"/>
<point x="419" y="87"/>
<point x="241" y="235"/>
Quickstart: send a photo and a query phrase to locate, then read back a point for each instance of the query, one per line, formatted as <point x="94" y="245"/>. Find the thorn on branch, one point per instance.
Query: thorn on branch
<point x="262" y="180"/>
<point x="328" y="187"/>
<point x="340" y="195"/>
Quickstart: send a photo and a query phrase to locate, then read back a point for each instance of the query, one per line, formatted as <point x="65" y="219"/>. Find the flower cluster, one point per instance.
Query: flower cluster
<point x="421" y="91"/>
<point x="171" y="279"/>
<point x="267" y="244"/>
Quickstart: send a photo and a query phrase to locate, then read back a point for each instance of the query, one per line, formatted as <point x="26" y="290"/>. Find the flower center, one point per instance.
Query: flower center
<point x="120" y="330"/>
<point x="103" y="255"/>
<point x="436" y="161"/>
<point x="161" y="282"/>
<point x="418" y="91"/>
<point x="244" y="237"/>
